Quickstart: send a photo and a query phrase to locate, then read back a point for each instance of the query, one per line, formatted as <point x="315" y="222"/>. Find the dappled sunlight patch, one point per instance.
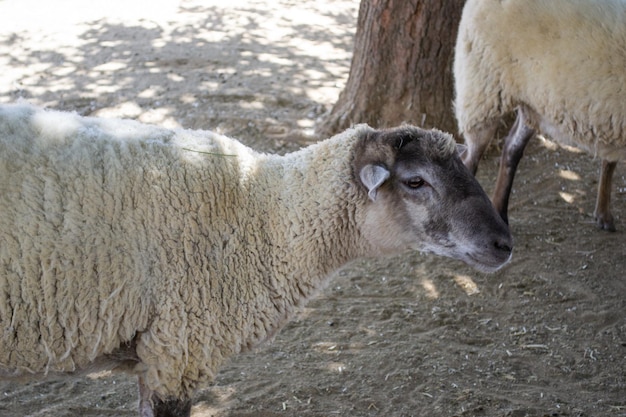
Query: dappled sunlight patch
<point x="99" y="375"/>
<point x="338" y="367"/>
<point x="547" y="143"/>
<point x="251" y="104"/>
<point x="567" y="197"/>
<point x="264" y="57"/>
<point x="550" y="144"/>
<point x="61" y="14"/>
<point x="467" y="284"/>
<point x="569" y="175"/>
<point x="430" y="288"/>
<point x="325" y="347"/>
<point x="218" y="403"/>
<point x="119" y="59"/>
<point x="159" y="116"/>
<point x="127" y="109"/>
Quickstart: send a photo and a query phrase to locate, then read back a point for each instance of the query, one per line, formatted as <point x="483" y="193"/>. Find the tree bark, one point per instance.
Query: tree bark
<point x="401" y="67"/>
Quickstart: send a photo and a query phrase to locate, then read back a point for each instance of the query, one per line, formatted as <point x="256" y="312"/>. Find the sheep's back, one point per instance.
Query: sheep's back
<point x="95" y="217"/>
<point x="72" y="284"/>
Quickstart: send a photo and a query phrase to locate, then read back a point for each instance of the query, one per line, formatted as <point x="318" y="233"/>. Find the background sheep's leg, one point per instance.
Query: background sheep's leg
<point x="477" y="142"/>
<point x="603" y="215"/>
<point x="512" y="153"/>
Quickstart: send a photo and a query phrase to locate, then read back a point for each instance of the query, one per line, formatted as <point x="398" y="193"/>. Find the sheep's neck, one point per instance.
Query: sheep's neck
<point x="311" y="230"/>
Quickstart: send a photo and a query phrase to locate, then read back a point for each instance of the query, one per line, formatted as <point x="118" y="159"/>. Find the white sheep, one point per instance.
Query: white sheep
<point x="562" y="64"/>
<point x="164" y="252"/>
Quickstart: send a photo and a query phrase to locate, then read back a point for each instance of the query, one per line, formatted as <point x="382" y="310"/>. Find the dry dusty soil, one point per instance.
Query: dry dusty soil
<point x="412" y="335"/>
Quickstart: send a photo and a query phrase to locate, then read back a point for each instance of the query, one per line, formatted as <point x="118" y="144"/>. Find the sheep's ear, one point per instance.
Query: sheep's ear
<point x="373" y="176"/>
<point x="461" y="149"/>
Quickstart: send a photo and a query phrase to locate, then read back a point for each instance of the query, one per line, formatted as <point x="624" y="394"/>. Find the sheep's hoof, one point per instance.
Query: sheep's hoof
<point x="605" y="223"/>
<point x="171" y="408"/>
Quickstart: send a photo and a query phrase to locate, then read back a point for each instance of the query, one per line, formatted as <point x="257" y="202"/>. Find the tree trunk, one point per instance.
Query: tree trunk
<point x="401" y="67"/>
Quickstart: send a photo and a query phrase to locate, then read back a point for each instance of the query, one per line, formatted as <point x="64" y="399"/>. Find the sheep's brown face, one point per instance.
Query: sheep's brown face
<point x="422" y="197"/>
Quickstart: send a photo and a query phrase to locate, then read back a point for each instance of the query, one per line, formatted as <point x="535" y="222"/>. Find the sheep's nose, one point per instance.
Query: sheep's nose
<point x="504" y="244"/>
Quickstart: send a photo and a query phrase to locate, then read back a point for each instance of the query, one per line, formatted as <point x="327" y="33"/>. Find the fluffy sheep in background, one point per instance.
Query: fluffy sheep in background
<point x="164" y="252"/>
<point x="562" y="64"/>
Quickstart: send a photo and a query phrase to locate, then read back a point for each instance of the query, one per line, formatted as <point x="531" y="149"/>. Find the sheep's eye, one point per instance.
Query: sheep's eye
<point x="415" y="183"/>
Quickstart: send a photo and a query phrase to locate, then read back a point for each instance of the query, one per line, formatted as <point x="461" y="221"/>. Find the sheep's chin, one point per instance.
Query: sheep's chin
<point x="477" y="260"/>
<point x="485" y="264"/>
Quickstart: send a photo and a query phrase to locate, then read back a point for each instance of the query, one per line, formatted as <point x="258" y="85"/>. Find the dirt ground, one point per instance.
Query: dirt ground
<point x="413" y="335"/>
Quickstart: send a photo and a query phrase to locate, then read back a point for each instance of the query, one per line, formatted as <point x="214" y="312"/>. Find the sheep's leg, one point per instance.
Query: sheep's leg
<point x="152" y="406"/>
<point x="512" y="153"/>
<point x="145" y="400"/>
<point x="477" y="143"/>
<point x="603" y="215"/>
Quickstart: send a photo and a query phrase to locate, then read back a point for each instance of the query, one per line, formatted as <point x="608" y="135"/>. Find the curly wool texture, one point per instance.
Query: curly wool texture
<point x="563" y="59"/>
<point x="114" y="232"/>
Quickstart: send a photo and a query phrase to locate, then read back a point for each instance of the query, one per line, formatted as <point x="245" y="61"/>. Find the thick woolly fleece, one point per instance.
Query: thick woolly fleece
<point x="563" y="59"/>
<point x="179" y="243"/>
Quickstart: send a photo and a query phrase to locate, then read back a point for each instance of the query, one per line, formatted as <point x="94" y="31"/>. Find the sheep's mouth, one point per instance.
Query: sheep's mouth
<point x="487" y="263"/>
<point x="485" y="258"/>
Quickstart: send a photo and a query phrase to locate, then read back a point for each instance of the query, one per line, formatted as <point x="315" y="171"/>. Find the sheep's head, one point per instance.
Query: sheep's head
<point x="421" y="196"/>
